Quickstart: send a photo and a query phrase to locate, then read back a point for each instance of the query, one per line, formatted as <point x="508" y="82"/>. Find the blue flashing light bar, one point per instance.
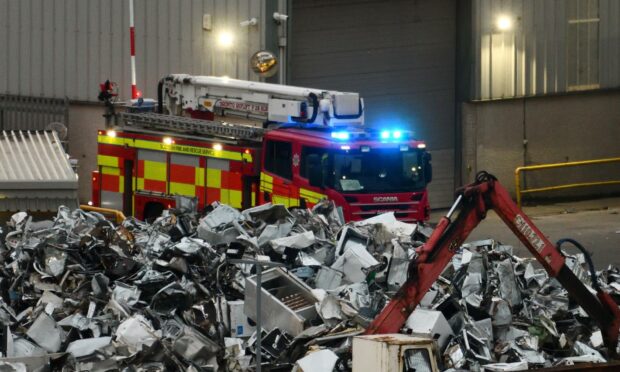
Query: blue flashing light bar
<point x="394" y="134"/>
<point x="341" y="135"/>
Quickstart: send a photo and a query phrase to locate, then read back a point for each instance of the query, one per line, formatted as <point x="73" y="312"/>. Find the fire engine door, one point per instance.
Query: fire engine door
<point x="278" y="185"/>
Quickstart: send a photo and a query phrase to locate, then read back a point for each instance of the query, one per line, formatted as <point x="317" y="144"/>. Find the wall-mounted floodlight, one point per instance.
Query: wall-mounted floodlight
<point x="249" y="22"/>
<point x="504" y="23"/>
<point x="225" y="39"/>
<point x="279" y="17"/>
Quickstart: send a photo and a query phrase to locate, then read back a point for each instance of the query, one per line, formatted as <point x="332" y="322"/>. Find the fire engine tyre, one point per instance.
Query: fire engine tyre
<point x="152" y="210"/>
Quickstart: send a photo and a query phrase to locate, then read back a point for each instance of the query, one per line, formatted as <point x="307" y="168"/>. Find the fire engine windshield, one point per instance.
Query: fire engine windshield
<point x="381" y="170"/>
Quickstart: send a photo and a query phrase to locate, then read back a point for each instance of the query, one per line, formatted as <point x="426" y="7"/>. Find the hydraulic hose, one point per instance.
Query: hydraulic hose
<point x="160" y="97"/>
<point x="315" y="102"/>
<point x="587" y="256"/>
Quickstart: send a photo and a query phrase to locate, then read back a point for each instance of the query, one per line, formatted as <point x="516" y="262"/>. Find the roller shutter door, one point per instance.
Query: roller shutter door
<point x="399" y="55"/>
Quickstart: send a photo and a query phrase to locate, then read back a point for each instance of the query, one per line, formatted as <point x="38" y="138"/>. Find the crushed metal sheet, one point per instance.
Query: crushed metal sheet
<point x="80" y="348"/>
<point x="353" y="262"/>
<point x="135" y="332"/>
<point x="46" y="333"/>
<point x="328" y="278"/>
<point x="500" y="367"/>
<point x="318" y="361"/>
<point x="164" y="295"/>
<point x="297" y="241"/>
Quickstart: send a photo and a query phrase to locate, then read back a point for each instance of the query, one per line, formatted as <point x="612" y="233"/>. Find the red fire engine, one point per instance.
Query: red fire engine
<point x="288" y="145"/>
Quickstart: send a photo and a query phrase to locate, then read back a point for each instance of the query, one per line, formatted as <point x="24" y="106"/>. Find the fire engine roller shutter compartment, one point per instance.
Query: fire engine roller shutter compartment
<point x="152" y="171"/>
<point x="186" y="176"/>
<point x="112" y="181"/>
<point x="224" y="182"/>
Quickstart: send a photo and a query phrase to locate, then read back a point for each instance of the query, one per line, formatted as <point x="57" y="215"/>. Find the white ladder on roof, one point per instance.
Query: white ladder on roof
<point x="180" y="124"/>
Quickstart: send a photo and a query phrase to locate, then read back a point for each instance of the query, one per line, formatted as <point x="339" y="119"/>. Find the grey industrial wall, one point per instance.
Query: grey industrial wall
<point x="65" y="48"/>
<point x="552" y="46"/>
<point x="399" y="55"/>
<point x="83" y="143"/>
<point x="499" y="136"/>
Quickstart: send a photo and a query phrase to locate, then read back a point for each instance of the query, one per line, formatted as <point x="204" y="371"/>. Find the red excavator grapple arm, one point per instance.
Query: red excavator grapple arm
<point x="472" y="204"/>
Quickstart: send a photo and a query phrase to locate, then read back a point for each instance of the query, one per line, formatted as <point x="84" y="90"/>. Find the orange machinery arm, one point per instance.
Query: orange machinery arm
<point x="473" y="202"/>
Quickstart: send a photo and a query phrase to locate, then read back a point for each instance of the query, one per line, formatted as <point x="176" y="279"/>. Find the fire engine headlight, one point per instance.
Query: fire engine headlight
<point x="111" y="133"/>
<point x="217" y="147"/>
<point x="385" y="134"/>
<point x="168" y="141"/>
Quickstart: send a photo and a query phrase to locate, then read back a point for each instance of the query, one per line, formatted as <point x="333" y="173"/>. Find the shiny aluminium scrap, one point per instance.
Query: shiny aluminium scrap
<point x="80" y="293"/>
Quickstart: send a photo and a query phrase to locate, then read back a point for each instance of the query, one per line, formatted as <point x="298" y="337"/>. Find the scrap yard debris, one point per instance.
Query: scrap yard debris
<point x="79" y="293"/>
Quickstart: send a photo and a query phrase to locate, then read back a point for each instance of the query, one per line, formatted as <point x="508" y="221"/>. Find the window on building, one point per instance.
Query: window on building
<point x="582" y="44"/>
<point x="278" y="158"/>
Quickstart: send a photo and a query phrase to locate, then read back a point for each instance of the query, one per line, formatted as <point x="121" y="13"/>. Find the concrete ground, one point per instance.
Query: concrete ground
<point x="593" y="223"/>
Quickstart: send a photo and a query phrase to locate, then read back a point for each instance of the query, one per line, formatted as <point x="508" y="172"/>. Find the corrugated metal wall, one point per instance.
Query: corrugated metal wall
<point x="33" y="113"/>
<point x="65" y="48"/>
<point x="398" y="54"/>
<point x="553" y="46"/>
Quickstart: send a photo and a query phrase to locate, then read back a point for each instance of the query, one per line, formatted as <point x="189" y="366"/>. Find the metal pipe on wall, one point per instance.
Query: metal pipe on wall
<point x="282" y="43"/>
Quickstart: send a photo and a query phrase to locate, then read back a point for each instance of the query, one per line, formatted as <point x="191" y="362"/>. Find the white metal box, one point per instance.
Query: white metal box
<point x="281" y="109"/>
<point x="239" y="326"/>
<point x="287" y="302"/>
<point x="429" y="324"/>
<point x="346" y="104"/>
<point x="393" y="352"/>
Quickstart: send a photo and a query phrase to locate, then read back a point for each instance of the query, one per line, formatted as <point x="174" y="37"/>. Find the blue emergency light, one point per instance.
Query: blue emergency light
<point x="340" y="135"/>
<point x="395" y="134"/>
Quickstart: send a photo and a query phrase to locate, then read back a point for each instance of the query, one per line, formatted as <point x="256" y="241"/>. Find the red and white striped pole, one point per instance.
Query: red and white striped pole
<point x="135" y="93"/>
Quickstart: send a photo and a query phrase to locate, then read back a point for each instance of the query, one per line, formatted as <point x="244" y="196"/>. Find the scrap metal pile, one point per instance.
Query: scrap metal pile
<point x="79" y="293"/>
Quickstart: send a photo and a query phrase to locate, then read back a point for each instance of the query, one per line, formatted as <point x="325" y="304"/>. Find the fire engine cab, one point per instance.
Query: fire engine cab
<point x="246" y="143"/>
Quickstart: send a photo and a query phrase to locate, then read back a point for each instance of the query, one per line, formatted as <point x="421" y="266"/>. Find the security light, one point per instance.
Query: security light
<point x="225" y="39"/>
<point x="503" y="23"/>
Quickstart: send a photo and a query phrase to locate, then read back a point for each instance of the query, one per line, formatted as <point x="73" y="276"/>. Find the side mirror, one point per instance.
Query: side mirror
<point x="315" y="171"/>
<point x="428" y="167"/>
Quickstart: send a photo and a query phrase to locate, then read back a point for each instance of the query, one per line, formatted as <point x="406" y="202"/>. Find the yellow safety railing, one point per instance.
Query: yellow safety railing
<point x="117" y="215"/>
<point x="520" y="170"/>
